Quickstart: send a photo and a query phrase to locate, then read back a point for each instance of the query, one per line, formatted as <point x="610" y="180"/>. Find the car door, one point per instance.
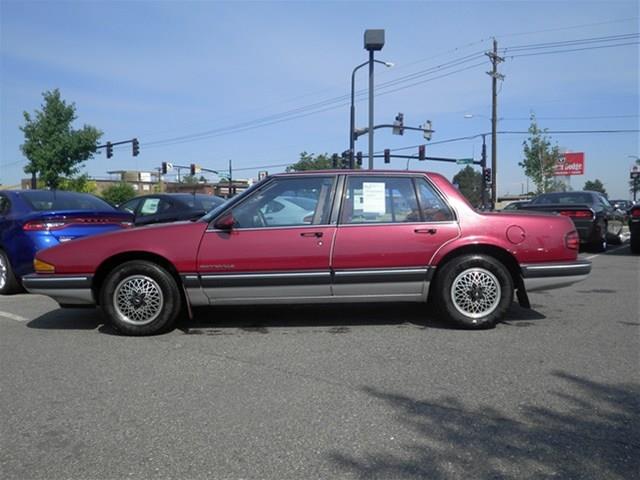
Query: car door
<point x="389" y="229"/>
<point x="263" y="257"/>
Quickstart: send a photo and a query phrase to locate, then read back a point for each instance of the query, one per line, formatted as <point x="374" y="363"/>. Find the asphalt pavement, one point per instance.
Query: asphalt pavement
<point x="338" y="392"/>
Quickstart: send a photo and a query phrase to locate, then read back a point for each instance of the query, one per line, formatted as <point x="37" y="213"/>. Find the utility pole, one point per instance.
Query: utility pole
<point x="495" y="76"/>
<point x="483" y="163"/>
<point x="230" y="180"/>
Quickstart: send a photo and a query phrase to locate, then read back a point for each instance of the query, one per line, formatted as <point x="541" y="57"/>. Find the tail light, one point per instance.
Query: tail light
<point x="51" y="224"/>
<point x="577" y="213"/>
<point x="635" y="213"/>
<point x="572" y="240"/>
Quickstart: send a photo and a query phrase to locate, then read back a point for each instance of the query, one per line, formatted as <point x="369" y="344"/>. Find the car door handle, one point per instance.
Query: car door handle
<point x="430" y="231"/>
<point x="311" y="234"/>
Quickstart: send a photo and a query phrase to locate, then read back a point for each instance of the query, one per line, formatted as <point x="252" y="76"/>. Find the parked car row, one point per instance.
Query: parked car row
<point x="319" y="237"/>
<point x="32" y="220"/>
<point x="597" y="221"/>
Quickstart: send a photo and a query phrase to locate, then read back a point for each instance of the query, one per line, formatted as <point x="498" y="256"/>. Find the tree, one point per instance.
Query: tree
<point x="119" y="193"/>
<point x="595" y="186"/>
<point x="309" y="161"/>
<point x="81" y="184"/>
<point x="190" y="179"/>
<point x="54" y="149"/>
<point x="540" y="157"/>
<point x="469" y="183"/>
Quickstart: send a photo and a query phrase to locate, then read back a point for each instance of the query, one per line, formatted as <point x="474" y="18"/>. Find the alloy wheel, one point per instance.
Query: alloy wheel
<point x="138" y="300"/>
<point x="475" y="292"/>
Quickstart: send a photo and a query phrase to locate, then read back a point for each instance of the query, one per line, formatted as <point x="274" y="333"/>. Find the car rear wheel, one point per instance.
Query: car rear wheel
<point x="474" y="291"/>
<point x="635" y="243"/>
<point x="141" y="298"/>
<point x="8" y="282"/>
<point x="600" y="244"/>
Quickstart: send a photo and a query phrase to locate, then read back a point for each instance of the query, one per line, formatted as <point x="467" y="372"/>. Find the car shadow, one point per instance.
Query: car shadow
<point x="69" y="319"/>
<point x="262" y="319"/>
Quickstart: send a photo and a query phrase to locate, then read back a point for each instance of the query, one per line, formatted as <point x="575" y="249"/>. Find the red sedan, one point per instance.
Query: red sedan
<point x="363" y="236"/>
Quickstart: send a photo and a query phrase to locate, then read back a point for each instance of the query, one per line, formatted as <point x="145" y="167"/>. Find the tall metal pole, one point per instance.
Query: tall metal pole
<point x="370" y="109"/>
<point x="230" y="180"/>
<point x="494" y="122"/>
<point x="483" y="162"/>
<point x="495" y="76"/>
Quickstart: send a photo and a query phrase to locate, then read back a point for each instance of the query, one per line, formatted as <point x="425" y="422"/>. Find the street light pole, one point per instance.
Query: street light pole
<point x="352" y="122"/>
<point x="370" y="109"/>
<point x="373" y="40"/>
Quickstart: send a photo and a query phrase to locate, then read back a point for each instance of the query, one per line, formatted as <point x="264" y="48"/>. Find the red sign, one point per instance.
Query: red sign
<point x="570" y="164"/>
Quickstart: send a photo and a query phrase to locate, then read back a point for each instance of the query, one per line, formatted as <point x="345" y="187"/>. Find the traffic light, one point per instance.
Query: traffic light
<point x="164" y="168"/>
<point x="109" y="150"/>
<point x="193" y="169"/>
<point x="426" y="130"/>
<point x="487" y="176"/>
<point x="422" y="150"/>
<point x="398" y="125"/>
<point x="334" y="160"/>
<point x="359" y="158"/>
<point x="135" y="147"/>
<point x="387" y="155"/>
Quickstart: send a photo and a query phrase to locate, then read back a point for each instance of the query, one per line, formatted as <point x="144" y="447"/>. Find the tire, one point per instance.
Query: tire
<point x="8" y="282"/>
<point x="600" y="245"/>
<point x="635" y="243"/>
<point x="474" y="291"/>
<point x="141" y="298"/>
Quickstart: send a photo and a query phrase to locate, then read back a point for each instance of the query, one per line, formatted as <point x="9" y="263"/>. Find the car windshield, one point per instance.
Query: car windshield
<point x="42" y="200"/>
<point x="576" y="198"/>
<point x="201" y="202"/>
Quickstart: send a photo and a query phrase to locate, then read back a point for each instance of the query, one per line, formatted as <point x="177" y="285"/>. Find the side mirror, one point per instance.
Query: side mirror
<point x="226" y="222"/>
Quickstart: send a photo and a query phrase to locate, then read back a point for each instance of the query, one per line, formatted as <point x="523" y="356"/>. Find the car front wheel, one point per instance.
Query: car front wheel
<point x="8" y="282"/>
<point x="474" y="291"/>
<point x="141" y="298"/>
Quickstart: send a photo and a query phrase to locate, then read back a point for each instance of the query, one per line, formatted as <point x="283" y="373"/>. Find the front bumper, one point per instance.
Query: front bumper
<point x="544" y="276"/>
<point x="64" y="289"/>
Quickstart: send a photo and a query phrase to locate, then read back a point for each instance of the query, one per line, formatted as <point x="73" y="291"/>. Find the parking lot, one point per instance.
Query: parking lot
<point x="376" y="391"/>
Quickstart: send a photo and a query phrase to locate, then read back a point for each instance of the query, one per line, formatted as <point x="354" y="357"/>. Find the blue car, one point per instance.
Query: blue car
<point x="31" y="220"/>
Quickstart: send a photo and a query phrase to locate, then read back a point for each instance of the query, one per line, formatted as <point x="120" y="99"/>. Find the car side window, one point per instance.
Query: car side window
<point x="130" y="206"/>
<point x="287" y="202"/>
<point x="153" y="206"/>
<point x="5" y="205"/>
<point x="432" y="206"/>
<point x="379" y="200"/>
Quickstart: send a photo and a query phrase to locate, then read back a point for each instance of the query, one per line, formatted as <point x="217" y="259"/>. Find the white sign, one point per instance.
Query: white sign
<point x="373" y="197"/>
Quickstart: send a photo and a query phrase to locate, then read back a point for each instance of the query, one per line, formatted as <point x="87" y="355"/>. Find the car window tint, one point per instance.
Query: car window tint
<point x="432" y="206"/>
<point x="154" y="206"/>
<point x="42" y="200"/>
<point x="380" y="200"/>
<point x="4" y="205"/>
<point x="130" y="206"/>
<point x="278" y="203"/>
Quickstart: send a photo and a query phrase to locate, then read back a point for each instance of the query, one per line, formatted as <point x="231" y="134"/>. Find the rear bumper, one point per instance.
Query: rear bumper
<point x="65" y="289"/>
<point x="543" y="276"/>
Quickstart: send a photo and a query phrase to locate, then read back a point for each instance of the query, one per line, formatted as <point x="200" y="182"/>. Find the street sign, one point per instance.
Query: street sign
<point x="464" y="161"/>
<point x="569" y="164"/>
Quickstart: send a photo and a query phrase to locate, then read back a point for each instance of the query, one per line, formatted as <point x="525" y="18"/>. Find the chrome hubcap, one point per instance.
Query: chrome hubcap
<point x="138" y="300"/>
<point x="476" y="292"/>
<point x="3" y="272"/>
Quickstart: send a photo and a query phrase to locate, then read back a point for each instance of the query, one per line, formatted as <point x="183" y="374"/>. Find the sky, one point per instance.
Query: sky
<point x="258" y="83"/>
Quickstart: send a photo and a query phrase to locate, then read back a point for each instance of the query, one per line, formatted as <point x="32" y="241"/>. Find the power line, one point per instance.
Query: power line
<point x="564" y="43"/>
<point x="570" y="50"/>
